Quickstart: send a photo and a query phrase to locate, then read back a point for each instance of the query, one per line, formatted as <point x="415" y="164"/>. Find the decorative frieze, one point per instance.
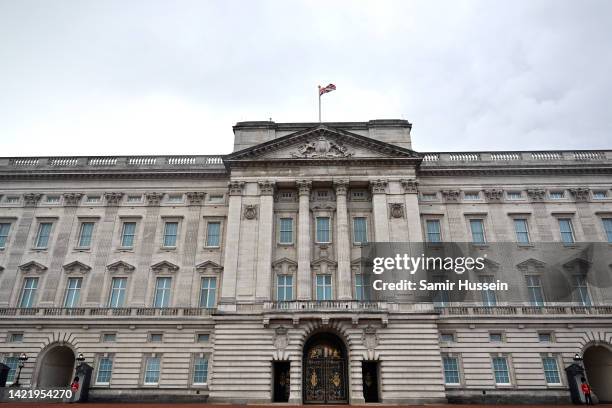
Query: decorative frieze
<point x="304" y="186"/>
<point x="250" y="211"/>
<point x="113" y="198"/>
<point x="153" y="198"/>
<point x="195" y="197"/>
<point x="580" y="194"/>
<point x="536" y="194"/>
<point x="411" y="186"/>
<point x="378" y="186"/>
<point x="451" y="195"/>
<point x="396" y="210"/>
<point x="494" y="194"/>
<point x="266" y="187"/>
<point x="72" y="199"/>
<point x="321" y="148"/>
<point x="235" y="187"/>
<point x="31" y="199"/>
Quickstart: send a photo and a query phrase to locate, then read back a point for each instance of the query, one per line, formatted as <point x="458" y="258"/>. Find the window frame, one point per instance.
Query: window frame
<point x="33" y="291"/>
<point x="165" y="234"/>
<point x="206" y="233"/>
<point x="82" y="224"/>
<point x="281" y="231"/>
<point x="571" y="231"/>
<point x="541" y="289"/>
<point x="111" y="288"/>
<point x="38" y="235"/>
<point x="123" y="234"/>
<point x="208" y="289"/>
<point x="329" y="229"/>
<point x="98" y="383"/>
<point x="6" y="236"/>
<point x="525" y="221"/>
<point x="555" y="359"/>
<point x="458" y="370"/>
<point x="76" y="292"/>
<point x="508" y="370"/>
<point x="193" y="370"/>
<point x="284" y="287"/>
<point x="325" y="286"/>
<point x="429" y="221"/>
<point x="365" y="230"/>
<point x="481" y="220"/>
<point x="165" y="290"/>
<point x="147" y="359"/>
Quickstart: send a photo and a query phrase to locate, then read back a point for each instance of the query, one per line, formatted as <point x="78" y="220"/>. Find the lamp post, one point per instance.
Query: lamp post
<point x="81" y="358"/>
<point x="578" y="359"/>
<point x="22" y="359"/>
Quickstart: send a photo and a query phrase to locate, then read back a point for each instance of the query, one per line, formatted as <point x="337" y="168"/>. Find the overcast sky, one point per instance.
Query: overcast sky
<point x="172" y="77"/>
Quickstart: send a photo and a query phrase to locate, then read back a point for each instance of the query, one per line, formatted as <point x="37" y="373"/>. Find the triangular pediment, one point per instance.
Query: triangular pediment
<point x="77" y="267"/>
<point x="577" y="265"/>
<point x="120" y="267"/>
<point x="32" y="267"/>
<point x="209" y="266"/>
<point x="322" y="143"/>
<point x="530" y="263"/>
<point x="164" y="266"/>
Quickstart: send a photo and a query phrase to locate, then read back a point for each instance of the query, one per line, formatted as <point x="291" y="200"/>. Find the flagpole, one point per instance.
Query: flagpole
<point x="319" y="103"/>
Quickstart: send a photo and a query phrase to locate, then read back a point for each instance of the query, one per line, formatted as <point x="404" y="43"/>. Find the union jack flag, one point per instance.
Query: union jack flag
<point x="326" y="89"/>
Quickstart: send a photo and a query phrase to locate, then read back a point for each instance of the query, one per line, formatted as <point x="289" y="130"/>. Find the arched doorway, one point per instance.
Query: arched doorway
<point x="325" y="370"/>
<point x="56" y="367"/>
<point x="598" y="367"/>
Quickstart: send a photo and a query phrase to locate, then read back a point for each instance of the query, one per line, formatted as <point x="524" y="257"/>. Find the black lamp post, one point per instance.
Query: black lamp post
<point x="22" y="359"/>
<point x="81" y="358"/>
<point x="578" y="359"/>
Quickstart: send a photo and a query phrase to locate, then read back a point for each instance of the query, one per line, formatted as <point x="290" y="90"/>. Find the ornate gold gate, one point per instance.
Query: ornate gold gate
<point x="325" y="379"/>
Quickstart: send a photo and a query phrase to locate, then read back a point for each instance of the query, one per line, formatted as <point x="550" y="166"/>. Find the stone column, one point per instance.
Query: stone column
<point x="413" y="215"/>
<point x="379" y="210"/>
<point x="265" y="241"/>
<point x="232" y="240"/>
<point x="343" y="242"/>
<point x="304" y="287"/>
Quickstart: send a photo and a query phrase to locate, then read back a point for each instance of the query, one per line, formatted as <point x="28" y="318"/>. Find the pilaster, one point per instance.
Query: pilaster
<point x="343" y="241"/>
<point x="230" y="264"/>
<point x="265" y="241"/>
<point x="413" y="215"/>
<point x="304" y="291"/>
<point x="379" y="210"/>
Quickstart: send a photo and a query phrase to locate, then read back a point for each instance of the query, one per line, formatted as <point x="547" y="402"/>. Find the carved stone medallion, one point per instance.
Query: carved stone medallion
<point x="321" y="147"/>
<point x="281" y="338"/>
<point x="396" y="210"/>
<point x="250" y="211"/>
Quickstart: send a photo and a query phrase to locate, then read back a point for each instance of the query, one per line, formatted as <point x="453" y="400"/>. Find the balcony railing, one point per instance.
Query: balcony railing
<point x="110" y="162"/>
<point x="105" y="311"/>
<point x="327" y="305"/>
<point x="513" y="158"/>
<point x="523" y="310"/>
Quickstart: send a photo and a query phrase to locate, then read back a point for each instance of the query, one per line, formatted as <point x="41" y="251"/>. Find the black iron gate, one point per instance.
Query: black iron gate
<point x="325" y="374"/>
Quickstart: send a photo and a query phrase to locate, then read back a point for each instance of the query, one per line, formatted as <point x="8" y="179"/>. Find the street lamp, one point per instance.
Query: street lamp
<point x="22" y="359"/>
<point x="81" y="358"/>
<point x="577" y="358"/>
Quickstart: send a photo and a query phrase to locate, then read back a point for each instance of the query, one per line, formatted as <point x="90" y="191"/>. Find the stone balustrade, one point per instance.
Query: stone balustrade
<point x="327" y="305"/>
<point x="523" y="310"/>
<point x="105" y="311"/>
<point x="97" y="162"/>
<point x="516" y="157"/>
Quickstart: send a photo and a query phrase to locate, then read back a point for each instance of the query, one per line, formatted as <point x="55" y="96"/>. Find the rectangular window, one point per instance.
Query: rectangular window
<point x="128" y="234"/>
<point x="581" y="290"/>
<point x="152" y="368"/>
<point x="551" y="370"/>
<point x="117" y="294"/>
<point x="134" y="199"/>
<point x="170" y="231"/>
<point x="11" y="200"/>
<point x="16" y="337"/>
<point x="208" y="291"/>
<point x="53" y="199"/>
<point x="360" y="230"/>
<point x="156" y="337"/>
<point x="86" y="234"/>
<point x="203" y="337"/>
<point x="73" y="291"/>
<point x="92" y="199"/>
<point x="213" y="234"/>
<point x="556" y="195"/>
<point x="5" y="228"/>
<point x="521" y="230"/>
<point x="28" y="293"/>
<point x="12" y="363"/>
<point x="43" y="235"/>
<point x="534" y="287"/>
<point x="200" y="370"/>
<point x="433" y="231"/>
<point x="105" y="369"/>
<point x="545" y="337"/>
<point x="472" y="195"/>
<point x="607" y="224"/>
<point x="500" y="369"/>
<point x="163" y="286"/>
<point x="439" y="298"/>
<point x="451" y="370"/>
<point x="429" y="196"/>
<point x="567" y="231"/>
<point x="284" y="287"/>
<point x="514" y="195"/>
<point x="447" y="337"/>
<point x="324" y="287"/>
<point x="478" y="234"/>
<point x="109" y="337"/>
<point x="215" y="198"/>
<point x="489" y="298"/>
<point x="359" y="287"/>
<point x="323" y="230"/>
<point x="175" y="198"/>
<point x="599" y="195"/>
<point x="496" y="337"/>
<point x="286" y="231"/>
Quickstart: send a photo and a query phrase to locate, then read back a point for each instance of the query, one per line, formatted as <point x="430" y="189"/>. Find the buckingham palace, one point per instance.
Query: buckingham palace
<point x="238" y="278"/>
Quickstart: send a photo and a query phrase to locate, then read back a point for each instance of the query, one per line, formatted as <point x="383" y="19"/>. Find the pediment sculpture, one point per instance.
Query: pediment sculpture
<point x="321" y="148"/>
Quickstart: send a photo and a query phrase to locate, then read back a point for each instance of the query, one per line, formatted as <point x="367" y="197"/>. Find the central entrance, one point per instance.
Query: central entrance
<point x="325" y="370"/>
<point x="56" y="368"/>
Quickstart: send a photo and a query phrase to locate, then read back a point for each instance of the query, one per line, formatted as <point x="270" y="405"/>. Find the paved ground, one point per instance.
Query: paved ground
<point x="163" y="405"/>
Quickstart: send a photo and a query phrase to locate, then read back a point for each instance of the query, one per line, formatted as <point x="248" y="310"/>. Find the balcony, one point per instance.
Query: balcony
<point x="531" y="311"/>
<point x="95" y="312"/>
<point x="326" y="306"/>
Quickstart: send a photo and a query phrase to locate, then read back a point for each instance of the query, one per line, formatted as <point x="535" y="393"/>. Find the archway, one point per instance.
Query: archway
<point x="598" y="367"/>
<point x="324" y="373"/>
<point x="56" y="367"/>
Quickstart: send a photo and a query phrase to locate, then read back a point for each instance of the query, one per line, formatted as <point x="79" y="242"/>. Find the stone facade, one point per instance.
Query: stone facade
<point x="176" y="261"/>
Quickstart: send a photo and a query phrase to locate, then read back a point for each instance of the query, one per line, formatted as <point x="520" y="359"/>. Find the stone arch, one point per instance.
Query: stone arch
<point x="597" y="360"/>
<point x="55" y="365"/>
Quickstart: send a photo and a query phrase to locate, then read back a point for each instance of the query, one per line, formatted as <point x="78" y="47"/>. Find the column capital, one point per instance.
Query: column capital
<point x="235" y="187"/>
<point x="341" y="186"/>
<point x="153" y="198"/>
<point x="31" y="199"/>
<point x="304" y="186"/>
<point x="195" y="197"/>
<point x="266" y="187"/>
<point x="72" y="199"/>
<point x="378" y="186"/>
<point x="113" y="198"/>
<point x="411" y="186"/>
